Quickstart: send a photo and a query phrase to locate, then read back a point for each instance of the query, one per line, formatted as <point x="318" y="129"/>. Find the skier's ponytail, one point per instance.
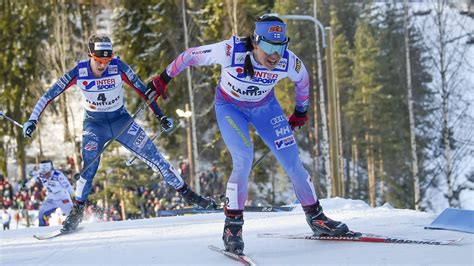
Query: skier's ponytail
<point x="248" y="67"/>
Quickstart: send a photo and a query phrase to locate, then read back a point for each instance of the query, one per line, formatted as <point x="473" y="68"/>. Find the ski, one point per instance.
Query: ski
<point x="54" y="234"/>
<point x="194" y="210"/>
<point x="242" y="258"/>
<point x="365" y="237"/>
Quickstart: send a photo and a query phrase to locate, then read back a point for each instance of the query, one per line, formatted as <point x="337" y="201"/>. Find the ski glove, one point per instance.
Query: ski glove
<point x="28" y="128"/>
<point x="158" y="84"/>
<point x="297" y="119"/>
<point x="166" y="123"/>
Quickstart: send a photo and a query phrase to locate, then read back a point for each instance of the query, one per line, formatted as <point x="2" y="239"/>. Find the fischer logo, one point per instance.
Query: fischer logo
<point x="83" y="72"/>
<point x="285" y="142"/>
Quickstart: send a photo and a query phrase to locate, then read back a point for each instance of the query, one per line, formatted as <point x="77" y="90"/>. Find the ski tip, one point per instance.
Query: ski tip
<point x="455" y="241"/>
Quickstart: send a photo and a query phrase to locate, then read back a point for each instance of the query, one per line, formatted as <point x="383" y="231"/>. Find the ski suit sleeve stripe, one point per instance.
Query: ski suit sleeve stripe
<point x="201" y="56"/>
<point x="299" y="76"/>
<point x="134" y="81"/>
<point x="58" y="87"/>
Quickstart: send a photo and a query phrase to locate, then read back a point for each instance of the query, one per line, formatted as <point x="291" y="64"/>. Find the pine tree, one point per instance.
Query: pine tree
<point x="22" y="28"/>
<point x="367" y="86"/>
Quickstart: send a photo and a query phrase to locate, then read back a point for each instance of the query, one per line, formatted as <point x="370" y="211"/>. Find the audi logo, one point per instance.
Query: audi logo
<point x="277" y="119"/>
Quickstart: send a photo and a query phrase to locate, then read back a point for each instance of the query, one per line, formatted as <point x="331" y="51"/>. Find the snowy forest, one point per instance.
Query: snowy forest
<point x="392" y="87"/>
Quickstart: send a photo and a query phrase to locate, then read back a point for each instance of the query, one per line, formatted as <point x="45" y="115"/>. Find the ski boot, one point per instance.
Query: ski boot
<point x="232" y="235"/>
<point x="74" y="218"/>
<point x="207" y="203"/>
<point x="322" y="225"/>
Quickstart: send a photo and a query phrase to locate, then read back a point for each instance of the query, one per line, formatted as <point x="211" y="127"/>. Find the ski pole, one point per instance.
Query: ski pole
<point x="151" y="98"/>
<point x="130" y="162"/>
<point x="261" y="158"/>
<point x="2" y="115"/>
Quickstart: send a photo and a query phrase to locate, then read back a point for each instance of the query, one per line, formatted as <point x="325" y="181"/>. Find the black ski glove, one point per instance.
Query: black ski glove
<point x="28" y="128"/>
<point x="166" y="123"/>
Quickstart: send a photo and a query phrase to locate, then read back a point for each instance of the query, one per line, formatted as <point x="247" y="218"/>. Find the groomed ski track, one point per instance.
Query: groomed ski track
<point x="184" y="240"/>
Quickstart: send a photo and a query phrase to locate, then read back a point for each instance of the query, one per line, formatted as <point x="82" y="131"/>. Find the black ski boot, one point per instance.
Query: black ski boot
<point x="74" y="217"/>
<point x="232" y="235"/>
<point x="322" y="225"/>
<point x="207" y="203"/>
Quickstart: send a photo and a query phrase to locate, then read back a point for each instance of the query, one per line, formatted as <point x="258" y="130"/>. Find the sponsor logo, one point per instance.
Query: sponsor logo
<point x="228" y="48"/>
<point x="133" y="130"/>
<point x="282" y="131"/>
<point x="276" y="28"/>
<point x="201" y="52"/>
<point x="103" y="46"/>
<point x="140" y="140"/>
<point x="249" y="91"/>
<point x="105" y="84"/>
<point x="88" y="85"/>
<point x="240" y="58"/>
<point x="91" y="146"/>
<point x="235" y="94"/>
<point x="89" y="133"/>
<point x="113" y="69"/>
<point x="238" y="131"/>
<point x="259" y="76"/>
<point x="61" y="84"/>
<point x="297" y="65"/>
<point x="277" y="120"/>
<point x="282" y="64"/>
<point x="129" y="73"/>
<point x="285" y="142"/>
<point x="240" y="39"/>
<point x="103" y="103"/>
<point x="83" y="72"/>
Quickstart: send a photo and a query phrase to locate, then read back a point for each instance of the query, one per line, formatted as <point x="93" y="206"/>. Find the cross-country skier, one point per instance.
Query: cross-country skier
<point x="59" y="190"/>
<point x="250" y="68"/>
<point x="101" y="78"/>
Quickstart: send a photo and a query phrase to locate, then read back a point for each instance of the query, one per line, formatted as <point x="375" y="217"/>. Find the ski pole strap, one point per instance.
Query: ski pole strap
<point x="125" y="127"/>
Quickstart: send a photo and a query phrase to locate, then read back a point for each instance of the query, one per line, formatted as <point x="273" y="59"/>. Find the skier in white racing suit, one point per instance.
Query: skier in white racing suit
<point x="250" y="68"/>
<point x="59" y="191"/>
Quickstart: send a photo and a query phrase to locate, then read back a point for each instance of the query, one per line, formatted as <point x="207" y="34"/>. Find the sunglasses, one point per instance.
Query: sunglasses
<point x="102" y="60"/>
<point x="271" y="47"/>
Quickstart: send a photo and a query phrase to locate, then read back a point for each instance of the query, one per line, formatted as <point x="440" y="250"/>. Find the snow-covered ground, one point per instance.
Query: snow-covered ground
<point x="184" y="240"/>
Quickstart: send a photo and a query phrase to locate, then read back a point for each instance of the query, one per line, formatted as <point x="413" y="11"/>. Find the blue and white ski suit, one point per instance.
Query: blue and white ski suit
<point x="240" y="101"/>
<point x="105" y="115"/>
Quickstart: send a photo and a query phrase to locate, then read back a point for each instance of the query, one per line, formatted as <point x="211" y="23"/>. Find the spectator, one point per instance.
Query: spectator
<point x="6" y="219"/>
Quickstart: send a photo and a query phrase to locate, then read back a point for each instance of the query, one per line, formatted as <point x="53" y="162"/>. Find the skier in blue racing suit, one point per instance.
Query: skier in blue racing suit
<point x="100" y="79"/>
<point x="250" y="68"/>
